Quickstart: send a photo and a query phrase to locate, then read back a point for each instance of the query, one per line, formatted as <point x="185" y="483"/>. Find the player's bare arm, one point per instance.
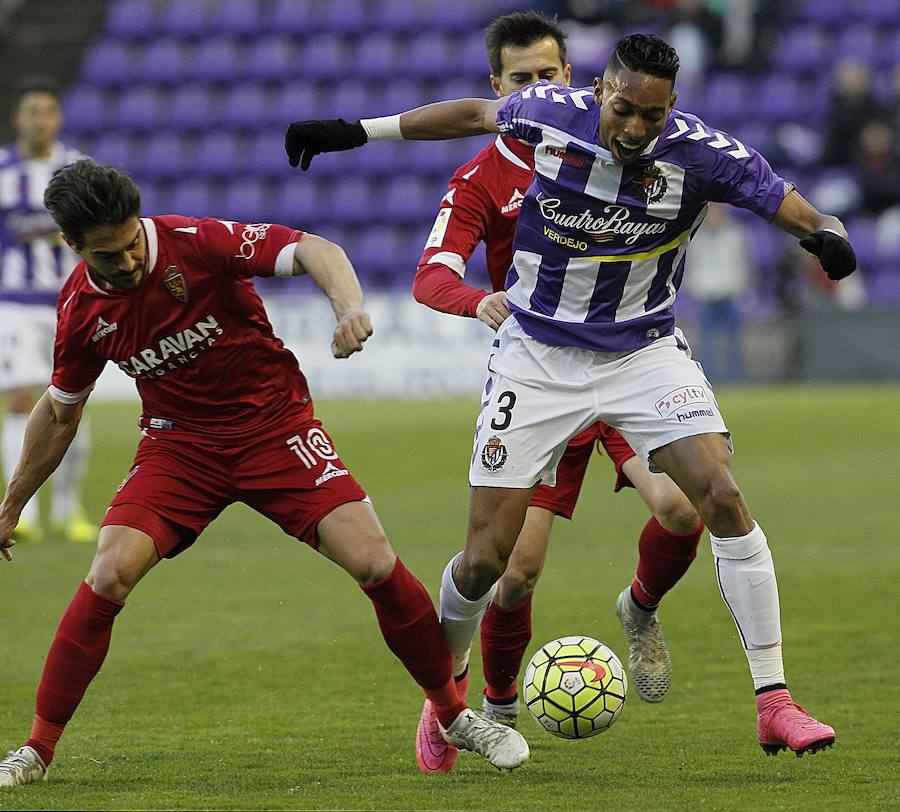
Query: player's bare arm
<point x="332" y="272"/>
<point x="48" y="434"/>
<point x="458" y="118"/>
<point x="821" y="234"/>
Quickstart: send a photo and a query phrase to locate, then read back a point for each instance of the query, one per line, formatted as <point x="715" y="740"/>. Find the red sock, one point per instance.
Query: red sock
<point x="663" y="558"/>
<point x="411" y="629"/>
<point x="75" y="657"/>
<point x="505" y="634"/>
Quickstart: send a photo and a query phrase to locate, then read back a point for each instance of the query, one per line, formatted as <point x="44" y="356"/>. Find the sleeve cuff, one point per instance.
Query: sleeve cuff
<point x="69" y="397"/>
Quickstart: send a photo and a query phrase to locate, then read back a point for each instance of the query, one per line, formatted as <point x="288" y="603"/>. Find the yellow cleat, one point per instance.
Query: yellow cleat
<point x="26" y="532"/>
<point x="78" y="528"/>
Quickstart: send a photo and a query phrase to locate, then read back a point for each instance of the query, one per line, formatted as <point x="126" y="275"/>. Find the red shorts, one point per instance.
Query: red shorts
<point x="177" y="486"/>
<point x="570" y="472"/>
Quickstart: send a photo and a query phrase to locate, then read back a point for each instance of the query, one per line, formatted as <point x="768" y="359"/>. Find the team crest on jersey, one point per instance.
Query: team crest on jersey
<point x="654" y="184"/>
<point x="494" y="454"/>
<point x="175" y="284"/>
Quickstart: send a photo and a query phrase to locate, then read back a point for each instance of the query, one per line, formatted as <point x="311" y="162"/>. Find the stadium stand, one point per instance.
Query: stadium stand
<point x="192" y="96"/>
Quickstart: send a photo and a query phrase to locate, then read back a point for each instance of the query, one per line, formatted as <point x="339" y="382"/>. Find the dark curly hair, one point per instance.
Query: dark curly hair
<point x="84" y="195"/>
<point x="645" y="53"/>
<point x="520" y="29"/>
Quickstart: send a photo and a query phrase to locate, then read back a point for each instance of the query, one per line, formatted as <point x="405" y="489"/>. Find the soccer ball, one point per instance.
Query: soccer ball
<point x="575" y="687"/>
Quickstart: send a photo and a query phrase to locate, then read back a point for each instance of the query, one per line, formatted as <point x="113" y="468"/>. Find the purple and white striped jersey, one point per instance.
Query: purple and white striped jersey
<point x="600" y="247"/>
<point x="34" y="261"/>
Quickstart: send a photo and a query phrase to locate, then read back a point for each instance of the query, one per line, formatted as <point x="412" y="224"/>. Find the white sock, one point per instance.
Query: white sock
<point x="460" y="617"/>
<point x="13" y="437"/>
<point x="69" y="475"/>
<point x="747" y="582"/>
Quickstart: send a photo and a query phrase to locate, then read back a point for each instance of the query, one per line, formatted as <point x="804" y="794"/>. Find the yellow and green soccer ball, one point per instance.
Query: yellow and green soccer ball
<point x="575" y="687"/>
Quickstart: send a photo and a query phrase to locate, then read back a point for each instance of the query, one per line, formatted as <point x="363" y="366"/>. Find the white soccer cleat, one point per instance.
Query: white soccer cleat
<point x="22" y="766"/>
<point x="648" y="658"/>
<point x="506" y="714"/>
<point x="502" y="746"/>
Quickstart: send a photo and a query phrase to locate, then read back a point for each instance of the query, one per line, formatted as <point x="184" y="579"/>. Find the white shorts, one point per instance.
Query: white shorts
<point x="538" y="396"/>
<point x="27" y="333"/>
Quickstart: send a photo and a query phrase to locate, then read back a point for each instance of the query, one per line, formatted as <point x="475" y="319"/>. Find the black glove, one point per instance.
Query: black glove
<point x="834" y="252"/>
<point x="306" y="139"/>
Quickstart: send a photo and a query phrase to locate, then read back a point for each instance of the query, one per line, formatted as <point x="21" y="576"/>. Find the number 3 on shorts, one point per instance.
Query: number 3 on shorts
<point x="505" y="403"/>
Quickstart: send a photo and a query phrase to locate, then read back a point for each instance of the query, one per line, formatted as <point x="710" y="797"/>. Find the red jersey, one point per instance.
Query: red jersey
<point x="481" y="205"/>
<point x="194" y="334"/>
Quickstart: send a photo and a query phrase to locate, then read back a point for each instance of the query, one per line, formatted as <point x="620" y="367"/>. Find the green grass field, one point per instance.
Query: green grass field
<point x="250" y="674"/>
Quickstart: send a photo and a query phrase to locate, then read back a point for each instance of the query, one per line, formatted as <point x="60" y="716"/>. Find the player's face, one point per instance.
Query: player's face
<point x="634" y="108"/>
<point x="37" y="120"/>
<point x="116" y="255"/>
<point x="525" y="66"/>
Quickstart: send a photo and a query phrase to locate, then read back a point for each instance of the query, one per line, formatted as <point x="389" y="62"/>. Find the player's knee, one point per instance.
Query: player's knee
<point x="476" y="574"/>
<point x="516" y="585"/>
<point x="377" y="563"/>
<point x="676" y="513"/>
<point x="722" y="502"/>
<point x="111" y="578"/>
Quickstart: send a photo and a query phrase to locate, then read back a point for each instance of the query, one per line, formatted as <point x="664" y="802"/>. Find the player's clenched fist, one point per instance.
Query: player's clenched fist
<point x="836" y="255"/>
<point x="306" y="139"/>
<point x="493" y="310"/>
<point x="351" y="333"/>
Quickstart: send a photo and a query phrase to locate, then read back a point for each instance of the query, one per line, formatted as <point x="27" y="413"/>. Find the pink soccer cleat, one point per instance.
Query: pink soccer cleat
<point x="433" y="754"/>
<point x="782" y="723"/>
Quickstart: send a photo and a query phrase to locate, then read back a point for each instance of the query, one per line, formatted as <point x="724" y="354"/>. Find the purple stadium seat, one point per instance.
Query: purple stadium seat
<point x="824" y="12"/>
<point x="244" y="106"/>
<point x="271" y="58"/>
<point x="246" y="200"/>
<point x="187" y="18"/>
<point x="878" y="12"/>
<point x="265" y="155"/>
<point x="352" y="201"/>
<point x="378" y="55"/>
<point x="108" y="63"/>
<point x="218" y="155"/>
<point x="377" y="252"/>
<point x="193" y="198"/>
<point x="408" y="199"/>
<point x="468" y="88"/>
<point x="431" y="56"/>
<point x="890" y="52"/>
<point x="398" y="95"/>
<point x="131" y="19"/>
<point x="296" y="100"/>
<point x="140" y="109"/>
<point x="455" y="17"/>
<point x="471" y="59"/>
<point x="322" y="58"/>
<point x="347" y="18"/>
<point x="781" y="97"/>
<point x="802" y="48"/>
<point x="217" y="60"/>
<point x="401" y="16"/>
<point x="238" y="17"/>
<point x="165" y="61"/>
<point x="381" y="158"/>
<point x="860" y="42"/>
<point x="153" y="197"/>
<point x="116" y="149"/>
<point x="350" y="100"/>
<point x="191" y="107"/>
<point x="165" y="156"/>
<point x="297" y="203"/>
<point x="85" y="109"/>
<point x="727" y="96"/>
<point x="293" y="17"/>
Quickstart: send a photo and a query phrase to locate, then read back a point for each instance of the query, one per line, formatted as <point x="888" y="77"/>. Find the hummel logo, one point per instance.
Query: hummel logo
<point x="104" y="328"/>
<point x="515" y="202"/>
<point x="599" y="670"/>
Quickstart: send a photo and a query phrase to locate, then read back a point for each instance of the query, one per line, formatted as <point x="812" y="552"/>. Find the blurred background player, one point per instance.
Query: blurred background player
<point x="226" y="416"/>
<point x="34" y="263"/>
<point x="482" y="205"/>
